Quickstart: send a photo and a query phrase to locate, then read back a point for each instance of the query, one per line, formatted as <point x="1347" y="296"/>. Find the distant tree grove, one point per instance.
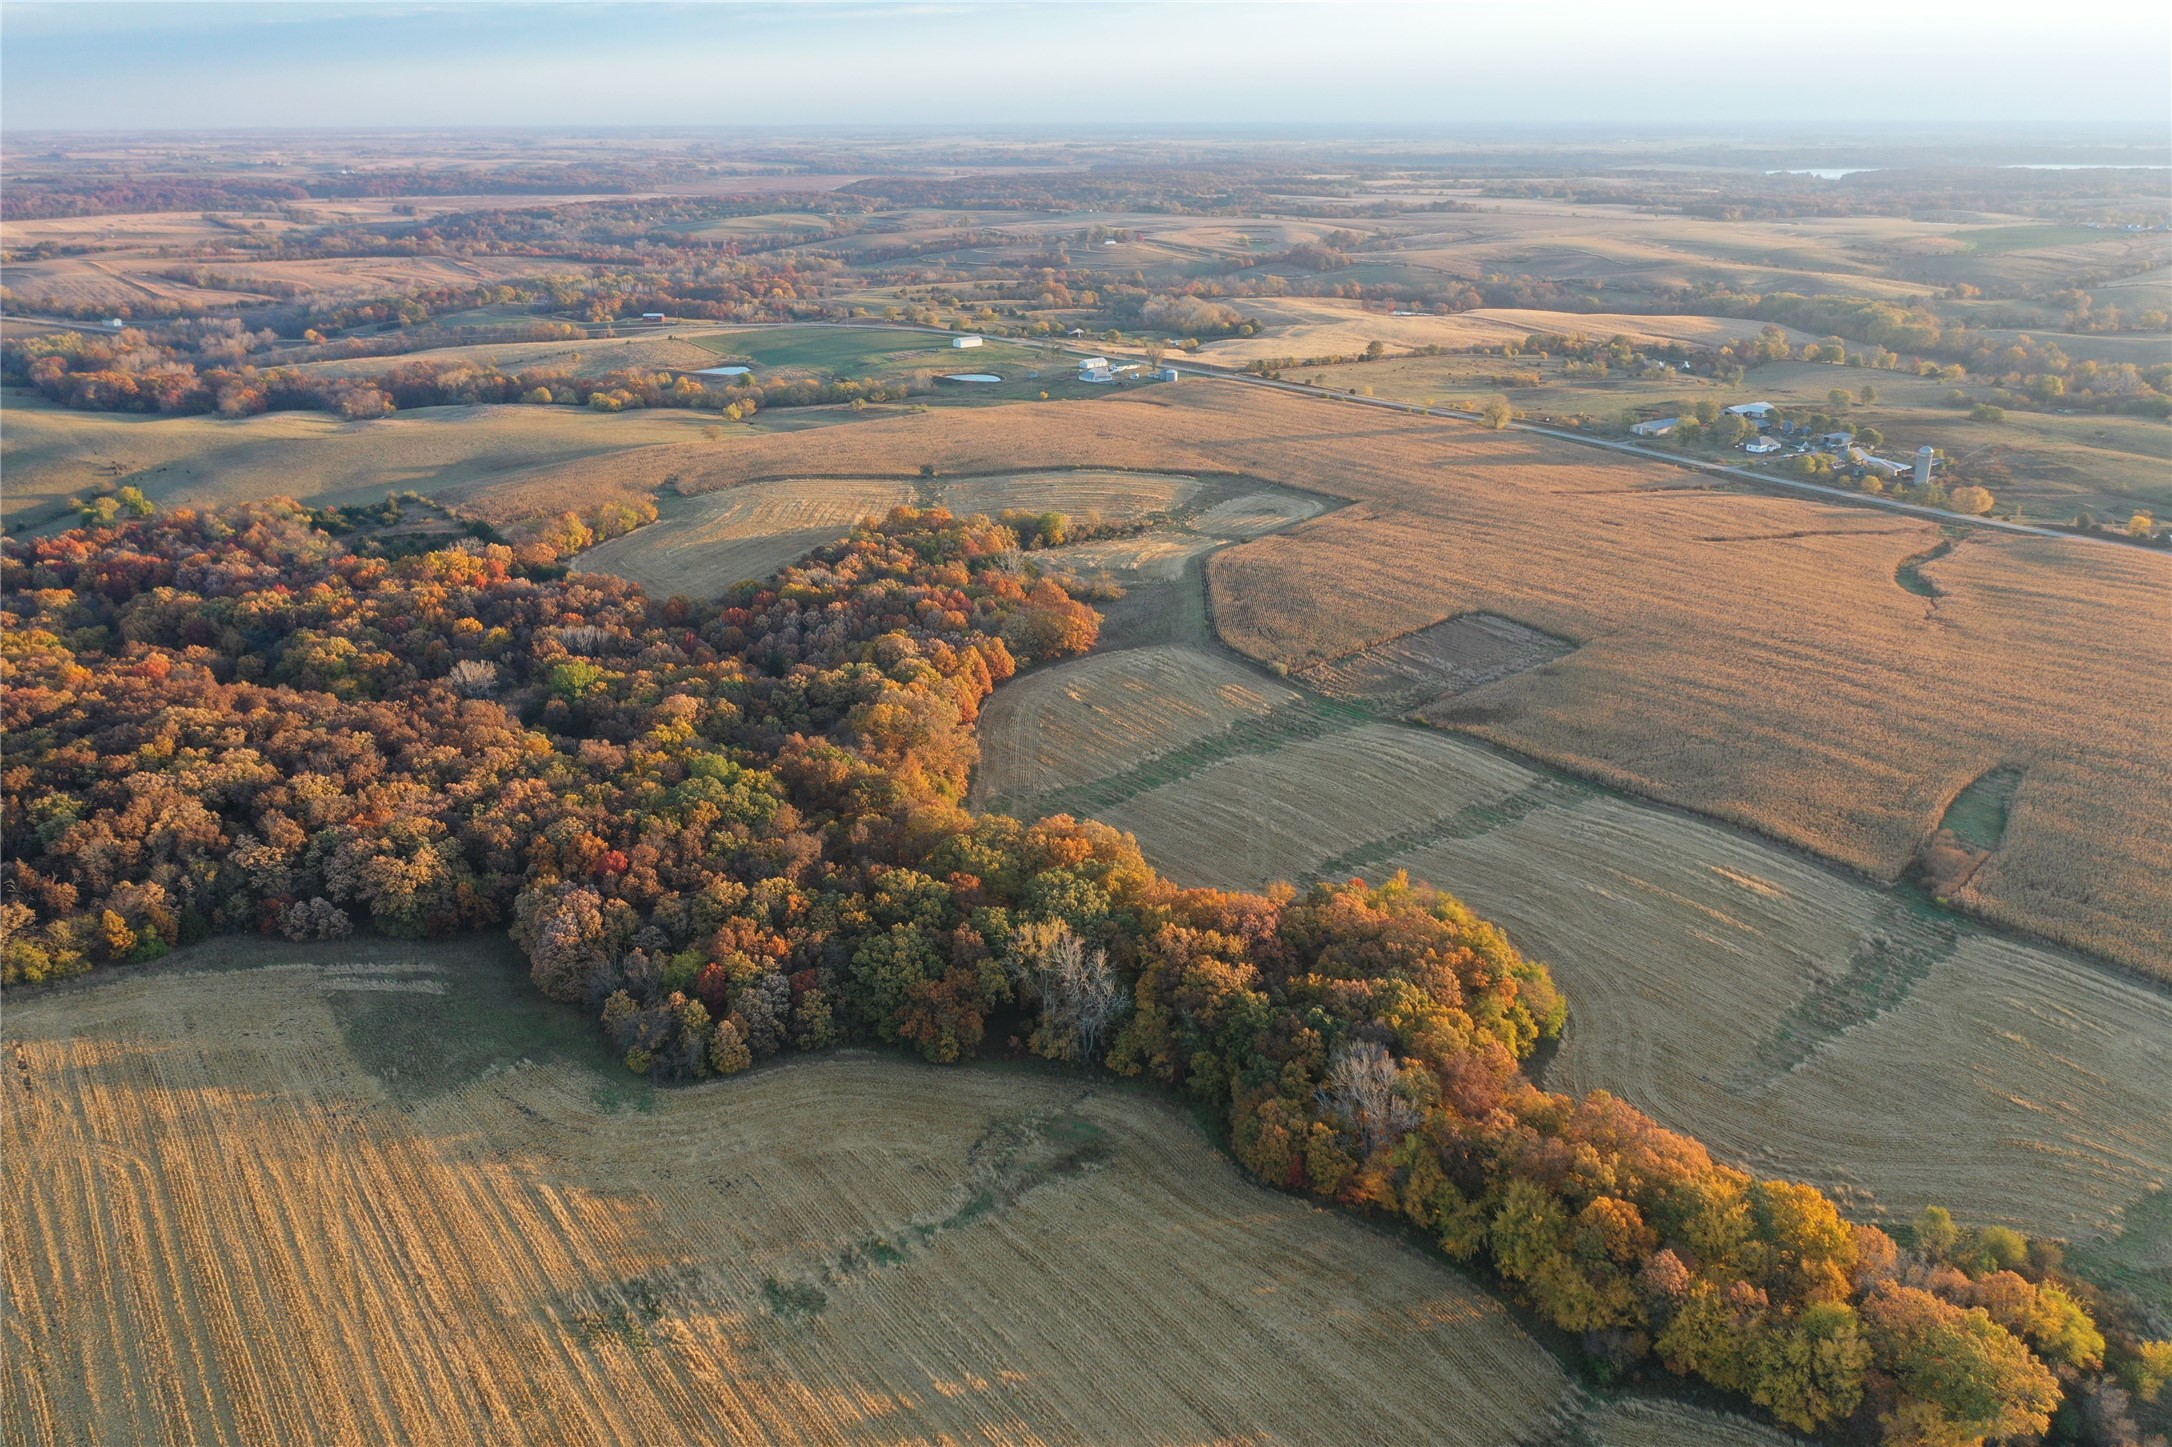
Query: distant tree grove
<point x="736" y="829"/>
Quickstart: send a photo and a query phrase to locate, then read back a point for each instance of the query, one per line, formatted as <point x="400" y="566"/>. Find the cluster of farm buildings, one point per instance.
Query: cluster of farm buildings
<point x="1788" y="437"/>
<point x="1099" y="369"/>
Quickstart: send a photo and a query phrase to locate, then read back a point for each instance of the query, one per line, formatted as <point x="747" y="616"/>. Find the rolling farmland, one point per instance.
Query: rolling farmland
<point x="1846" y="831"/>
<point x="1779" y="1011"/>
<point x="255" y="1226"/>
<point x="703" y="544"/>
<point x="1836" y="710"/>
<point x="1307" y="327"/>
<point x="51" y="455"/>
<point x="700" y="546"/>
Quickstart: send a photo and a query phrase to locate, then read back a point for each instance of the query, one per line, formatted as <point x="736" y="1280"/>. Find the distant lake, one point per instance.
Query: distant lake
<point x="972" y="377"/>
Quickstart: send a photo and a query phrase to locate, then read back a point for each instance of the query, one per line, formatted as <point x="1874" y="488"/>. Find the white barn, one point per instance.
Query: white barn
<point x="967" y="341"/>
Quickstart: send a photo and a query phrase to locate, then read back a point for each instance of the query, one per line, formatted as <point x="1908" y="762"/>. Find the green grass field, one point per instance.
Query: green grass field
<point x="860" y="351"/>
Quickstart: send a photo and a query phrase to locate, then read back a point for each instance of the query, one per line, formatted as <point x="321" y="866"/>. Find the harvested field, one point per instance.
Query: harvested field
<point x="1060" y="727"/>
<point x="79" y="281"/>
<point x="1635" y="1422"/>
<point x="1793" y="1019"/>
<point x="1161" y="554"/>
<point x="700" y="546"/>
<point x="1158" y="556"/>
<point x="1255" y="514"/>
<point x="293" y="1222"/>
<point x="586" y="357"/>
<point x="1448" y="658"/>
<point x="1788" y="1016"/>
<point x="1088" y="496"/>
<point x="51" y="454"/>
<point x="1314" y="327"/>
<point x="1246" y="821"/>
<point x="1782" y="679"/>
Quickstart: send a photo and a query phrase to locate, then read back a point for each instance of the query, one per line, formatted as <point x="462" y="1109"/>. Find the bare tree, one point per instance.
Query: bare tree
<point x="1080" y="994"/>
<point x="1363" y="1088"/>
<point x="474" y="677"/>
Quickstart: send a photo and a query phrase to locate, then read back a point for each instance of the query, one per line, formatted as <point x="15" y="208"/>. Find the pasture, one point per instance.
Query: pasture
<point x="378" y="1192"/>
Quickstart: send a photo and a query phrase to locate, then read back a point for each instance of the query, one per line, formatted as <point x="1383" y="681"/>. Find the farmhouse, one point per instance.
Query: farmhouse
<point x="1760" y="446"/>
<point x="1657" y="427"/>
<point x="967" y="341"/>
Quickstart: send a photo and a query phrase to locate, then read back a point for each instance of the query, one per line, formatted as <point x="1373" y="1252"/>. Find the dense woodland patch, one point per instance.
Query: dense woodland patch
<point x="733" y="830"/>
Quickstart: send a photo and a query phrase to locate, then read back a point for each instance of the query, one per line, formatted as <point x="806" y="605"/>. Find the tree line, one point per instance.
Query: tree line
<point x="736" y="829"/>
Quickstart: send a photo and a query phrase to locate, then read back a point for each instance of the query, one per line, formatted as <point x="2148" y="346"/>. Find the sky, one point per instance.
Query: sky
<point x="1853" y="64"/>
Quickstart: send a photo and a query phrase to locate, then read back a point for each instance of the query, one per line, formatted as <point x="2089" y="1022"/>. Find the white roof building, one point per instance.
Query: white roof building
<point x="966" y="341"/>
<point x="1760" y="446"/>
<point x="1751" y="409"/>
<point x="1657" y="427"/>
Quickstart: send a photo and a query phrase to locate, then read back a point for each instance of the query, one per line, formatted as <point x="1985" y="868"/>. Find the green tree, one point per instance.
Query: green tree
<point x="1962" y="1376"/>
<point x="575" y="678"/>
<point x="1809" y="1371"/>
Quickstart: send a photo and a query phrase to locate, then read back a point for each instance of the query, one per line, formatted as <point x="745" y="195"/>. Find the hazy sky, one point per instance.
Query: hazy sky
<point x="1848" y="64"/>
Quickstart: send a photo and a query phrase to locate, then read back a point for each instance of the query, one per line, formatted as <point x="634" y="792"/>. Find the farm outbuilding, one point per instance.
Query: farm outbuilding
<point x="967" y="341"/>
<point x="1657" y="427"/>
<point x="1755" y="411"/>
